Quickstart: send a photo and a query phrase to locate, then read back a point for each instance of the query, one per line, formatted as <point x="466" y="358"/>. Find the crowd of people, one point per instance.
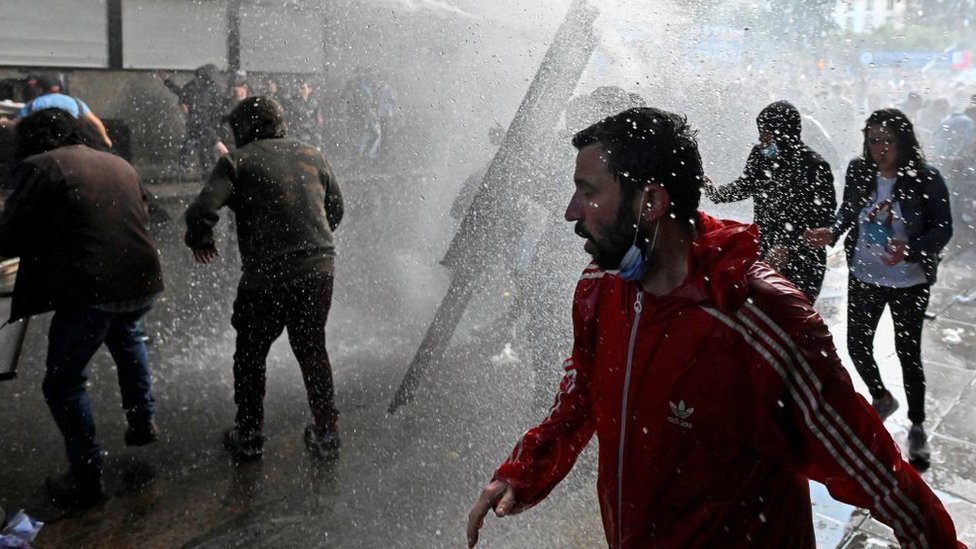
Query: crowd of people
<point x="698" y="357"/>
<point x="94" y="263"/>
<point x="365" y="110"/>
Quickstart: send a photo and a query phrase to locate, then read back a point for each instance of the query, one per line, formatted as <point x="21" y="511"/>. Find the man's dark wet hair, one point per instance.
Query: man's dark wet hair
<point x="48" y="129"/>
<point x="255" y="118"/>
<point x="783" y="120"/>
<point x="647" y="145"/>
<point x="909" y="151"/>
<point x="604" y="101"/>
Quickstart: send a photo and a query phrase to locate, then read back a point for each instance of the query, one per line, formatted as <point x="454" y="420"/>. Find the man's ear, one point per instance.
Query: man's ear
<point x="657" y="202"/>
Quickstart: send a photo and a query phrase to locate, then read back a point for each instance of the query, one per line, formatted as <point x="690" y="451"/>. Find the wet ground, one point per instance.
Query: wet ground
<point x="407" y="479"/>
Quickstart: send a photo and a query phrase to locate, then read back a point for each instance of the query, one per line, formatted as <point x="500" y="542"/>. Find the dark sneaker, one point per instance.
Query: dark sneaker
<point x="244" y="446"/>
<point x="885" y="406"/>
<point x="141" y="433"/>
<point x="69" y="491"/>
<point x="918" y="447"/>
<point x="322" y="443"/>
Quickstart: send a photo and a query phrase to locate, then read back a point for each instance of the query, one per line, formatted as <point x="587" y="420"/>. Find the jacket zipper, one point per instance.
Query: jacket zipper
<point x="638" y="307"/>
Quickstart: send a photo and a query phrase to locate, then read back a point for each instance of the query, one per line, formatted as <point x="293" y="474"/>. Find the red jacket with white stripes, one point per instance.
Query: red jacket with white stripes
<point x="713" y="405"/>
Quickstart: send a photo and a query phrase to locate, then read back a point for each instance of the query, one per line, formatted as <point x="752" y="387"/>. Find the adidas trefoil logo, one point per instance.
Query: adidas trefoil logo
<point x="680" y="414"/>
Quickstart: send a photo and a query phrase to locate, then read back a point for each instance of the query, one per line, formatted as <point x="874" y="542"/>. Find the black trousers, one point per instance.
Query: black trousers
<point x="301" y="306"/>
<point x="865" y="303"/>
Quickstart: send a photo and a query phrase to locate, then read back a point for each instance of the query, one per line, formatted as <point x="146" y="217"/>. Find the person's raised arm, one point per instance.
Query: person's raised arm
<point x="96" y="123"/>
<point x="745" y="186"/>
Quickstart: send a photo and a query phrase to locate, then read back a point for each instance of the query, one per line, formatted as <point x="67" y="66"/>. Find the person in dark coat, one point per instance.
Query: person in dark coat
<point x="897" y="217"/>
<point x="792" y="190"/>
<point x="201" y="101"/>
<point x="78" y="221"/>
<point x="287" y="203"/>
<point x="304" y="115"/>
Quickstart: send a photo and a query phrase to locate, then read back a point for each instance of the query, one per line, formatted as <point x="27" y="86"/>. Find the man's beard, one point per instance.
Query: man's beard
<point x="617" y="238"/>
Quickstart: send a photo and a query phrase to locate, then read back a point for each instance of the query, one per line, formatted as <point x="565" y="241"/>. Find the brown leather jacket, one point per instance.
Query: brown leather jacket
<point x="78" y="221"/>
<point x="287" y="203"/>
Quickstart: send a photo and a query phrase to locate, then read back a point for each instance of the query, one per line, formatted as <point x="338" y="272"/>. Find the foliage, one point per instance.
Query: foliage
<point x="809" y="20"/>
<point x="953" y="16"/>
<point x="914" y="37"/>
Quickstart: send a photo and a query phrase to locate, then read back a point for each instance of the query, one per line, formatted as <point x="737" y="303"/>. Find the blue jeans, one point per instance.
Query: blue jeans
<point x="73" y="338"/>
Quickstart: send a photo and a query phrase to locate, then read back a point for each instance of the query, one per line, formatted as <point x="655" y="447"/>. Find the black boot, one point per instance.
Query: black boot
<point x="885" y="406"/>
<point x="322" y="443"/>
<point x="918" y="447"/>
<point x="141" y="432"/>
<point x="76" y="491"/>
<point x="244" y="445"/>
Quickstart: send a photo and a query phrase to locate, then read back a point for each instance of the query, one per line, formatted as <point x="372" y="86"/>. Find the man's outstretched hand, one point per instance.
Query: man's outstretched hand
<point x="498" y="495"/>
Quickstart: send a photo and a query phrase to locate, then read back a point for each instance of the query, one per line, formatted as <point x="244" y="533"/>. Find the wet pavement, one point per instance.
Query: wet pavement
<point x="407" y="479"/>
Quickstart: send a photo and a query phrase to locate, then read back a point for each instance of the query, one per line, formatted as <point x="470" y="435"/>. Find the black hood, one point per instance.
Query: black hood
<point x="783" y="119"/>
<point x="257" y="117"/>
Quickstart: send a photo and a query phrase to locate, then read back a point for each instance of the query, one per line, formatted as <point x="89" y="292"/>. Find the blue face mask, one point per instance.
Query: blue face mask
<point x="634" y="264"/>
<point x="771" y="151"/>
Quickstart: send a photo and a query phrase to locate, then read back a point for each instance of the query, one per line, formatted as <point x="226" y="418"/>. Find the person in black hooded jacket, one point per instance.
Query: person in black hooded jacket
<point x="793" y="190"/>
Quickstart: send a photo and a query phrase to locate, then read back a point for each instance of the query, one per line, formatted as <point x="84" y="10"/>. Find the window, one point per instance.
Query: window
<point x="281" y="36"/>
<point x="79" y="36"/>
<point x="173" y="34"/>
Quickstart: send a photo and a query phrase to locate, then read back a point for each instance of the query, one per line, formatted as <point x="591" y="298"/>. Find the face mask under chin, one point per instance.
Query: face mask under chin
<point x="633" y="265"/>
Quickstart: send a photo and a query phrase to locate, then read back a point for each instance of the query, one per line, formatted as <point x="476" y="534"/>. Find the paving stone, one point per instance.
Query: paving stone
<point x="959" y="424"/>
<point x="953" y="469"/>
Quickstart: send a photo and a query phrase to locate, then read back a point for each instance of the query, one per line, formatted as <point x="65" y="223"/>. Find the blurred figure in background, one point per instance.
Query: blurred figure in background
<point x="271" y="88"/>
<point x="46" y="92"/>
<point x="954" y="148"/>
<point x="200" y="101"/>
<point x="360" y="114"/>
<point x="496" y="134"/>
<point x="303" y="114"/>
<point x="237" y="90"/>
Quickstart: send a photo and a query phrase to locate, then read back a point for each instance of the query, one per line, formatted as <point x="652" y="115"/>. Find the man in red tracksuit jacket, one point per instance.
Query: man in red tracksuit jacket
<point x="712" y="384"/>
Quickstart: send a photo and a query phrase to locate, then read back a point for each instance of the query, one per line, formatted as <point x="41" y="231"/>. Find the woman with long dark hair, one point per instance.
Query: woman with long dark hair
<point x="896" y="214"/>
